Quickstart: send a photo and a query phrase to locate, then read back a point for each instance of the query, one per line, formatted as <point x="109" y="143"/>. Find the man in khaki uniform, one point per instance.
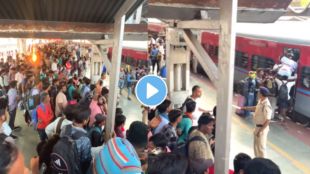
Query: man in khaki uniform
<point x="261" y="118"/>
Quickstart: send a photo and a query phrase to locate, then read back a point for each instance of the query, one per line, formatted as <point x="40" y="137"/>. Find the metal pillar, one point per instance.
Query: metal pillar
<point x="114" y="77"/>
<point x="228" y="19"/>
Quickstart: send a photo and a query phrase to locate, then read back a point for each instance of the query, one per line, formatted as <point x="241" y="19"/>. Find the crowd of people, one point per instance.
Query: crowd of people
<point x="69" y="114"/>
<point x="157" y="56"/>
<point x="280" y="81"/>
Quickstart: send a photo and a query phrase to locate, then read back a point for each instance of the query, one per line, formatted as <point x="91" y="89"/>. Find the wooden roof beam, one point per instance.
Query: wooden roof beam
<point x="63" y="30"/>
<point x="199" y="24"/>
<point x="202" y="56"/>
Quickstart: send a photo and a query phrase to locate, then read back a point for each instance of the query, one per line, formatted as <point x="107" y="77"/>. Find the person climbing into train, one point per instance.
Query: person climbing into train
<point x="283" y="97"/>
<point x="250" y="88"/>
<point x="288" y="65"/>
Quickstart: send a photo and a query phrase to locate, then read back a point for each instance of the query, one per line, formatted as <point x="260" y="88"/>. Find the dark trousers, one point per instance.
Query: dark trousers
<point x="42" y="134"/>
<point x="12" y="118"/>
<point x="155" y="62"/>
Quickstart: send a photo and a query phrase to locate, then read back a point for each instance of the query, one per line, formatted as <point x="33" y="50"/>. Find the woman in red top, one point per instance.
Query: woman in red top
<point x="45" y="115"/>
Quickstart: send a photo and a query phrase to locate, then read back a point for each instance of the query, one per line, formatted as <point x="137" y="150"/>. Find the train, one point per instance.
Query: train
<point x="134" y="53"/>
<point x="262" y="46"/>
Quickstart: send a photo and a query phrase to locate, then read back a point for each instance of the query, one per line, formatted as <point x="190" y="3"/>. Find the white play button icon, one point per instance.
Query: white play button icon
<point x="150" y="91"/>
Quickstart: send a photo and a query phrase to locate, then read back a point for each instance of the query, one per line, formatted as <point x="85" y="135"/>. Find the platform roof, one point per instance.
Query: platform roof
<point x="67" y="19"/>
<point x="85" y="11"/>
<point x="261" y="11"/>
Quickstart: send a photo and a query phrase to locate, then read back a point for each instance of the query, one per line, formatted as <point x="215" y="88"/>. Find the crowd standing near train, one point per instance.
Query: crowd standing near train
<point x="279" y="80"/>
<point x="69" y="113"/>
<point x="281" y="60"/>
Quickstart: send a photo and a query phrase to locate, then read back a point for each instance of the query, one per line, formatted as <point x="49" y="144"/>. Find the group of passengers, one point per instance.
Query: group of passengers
<point x="280" y="80"/>
<point x="156" y="50"/>
<point x="128" y="78"/>
<point x="167" y="144"/>
<point x="69" y="114"/>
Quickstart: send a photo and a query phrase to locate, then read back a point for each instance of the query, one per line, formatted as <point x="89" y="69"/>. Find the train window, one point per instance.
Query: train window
<point x="294" y="51"/>
<point x="305" y="77"/>
<point x="242" y="59"/>
<point x="261" y="62"/>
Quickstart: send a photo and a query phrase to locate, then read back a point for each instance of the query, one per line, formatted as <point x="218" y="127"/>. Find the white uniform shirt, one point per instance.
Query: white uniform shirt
<point x="263" y="112"/>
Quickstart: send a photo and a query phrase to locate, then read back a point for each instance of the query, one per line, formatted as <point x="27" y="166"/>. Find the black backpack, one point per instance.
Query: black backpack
<point x="45" y="153"/>
<point x="65" y="158"/>
<point x="183" y="107"/>
<point x="283" y="92"/>
<point x="183" y="148"/>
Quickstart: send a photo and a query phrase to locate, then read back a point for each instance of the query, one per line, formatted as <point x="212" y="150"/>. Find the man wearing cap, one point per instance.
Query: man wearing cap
<point x="96" y="132"/>
<point x="262" y="116"/>
<point x="117" y="156"/>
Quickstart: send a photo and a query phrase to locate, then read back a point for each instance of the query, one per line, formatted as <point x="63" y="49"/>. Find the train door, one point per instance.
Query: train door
<point x="290" y="58"/>
<point x="302" y="84"/>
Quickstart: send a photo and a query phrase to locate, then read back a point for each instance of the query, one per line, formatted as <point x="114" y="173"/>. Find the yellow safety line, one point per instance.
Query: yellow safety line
<point x="296" y="163"/>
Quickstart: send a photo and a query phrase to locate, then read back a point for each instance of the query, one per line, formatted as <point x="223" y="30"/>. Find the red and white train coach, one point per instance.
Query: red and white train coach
<point x="262" y="46"/>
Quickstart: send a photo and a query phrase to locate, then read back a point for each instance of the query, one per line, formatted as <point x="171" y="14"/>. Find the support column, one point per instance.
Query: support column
<point x="22" y="46"/>
<point x="114" y="77"/>
<point x="228" y="19"/>
<point x="177" y="67"/>
<point x="178" y="77"/>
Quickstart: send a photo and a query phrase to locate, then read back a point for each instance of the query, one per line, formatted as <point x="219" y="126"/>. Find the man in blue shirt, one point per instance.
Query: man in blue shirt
<point x="154" y="58"/>
<point x="163" y="110"/>
<point x="86" y="88"/>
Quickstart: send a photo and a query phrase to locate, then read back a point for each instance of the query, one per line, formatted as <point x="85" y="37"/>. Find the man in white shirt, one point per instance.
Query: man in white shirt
<point x="54" y="66"/>
<point x="105" y="80"/>
<point x="13" y="100"/>
<point x="5" y="77"/>
<point x="61" y="100"/>
<point x="19" y="77"/>
<point x="4" y="127"/>
<point x="196" y="94"/>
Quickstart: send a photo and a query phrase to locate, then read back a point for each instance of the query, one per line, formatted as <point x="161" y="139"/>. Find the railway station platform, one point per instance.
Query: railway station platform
<point x="288" y="143"/>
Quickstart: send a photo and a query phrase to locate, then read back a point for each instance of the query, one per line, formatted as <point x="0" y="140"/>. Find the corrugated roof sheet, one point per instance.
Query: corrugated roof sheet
<point x="86" y="11"/>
